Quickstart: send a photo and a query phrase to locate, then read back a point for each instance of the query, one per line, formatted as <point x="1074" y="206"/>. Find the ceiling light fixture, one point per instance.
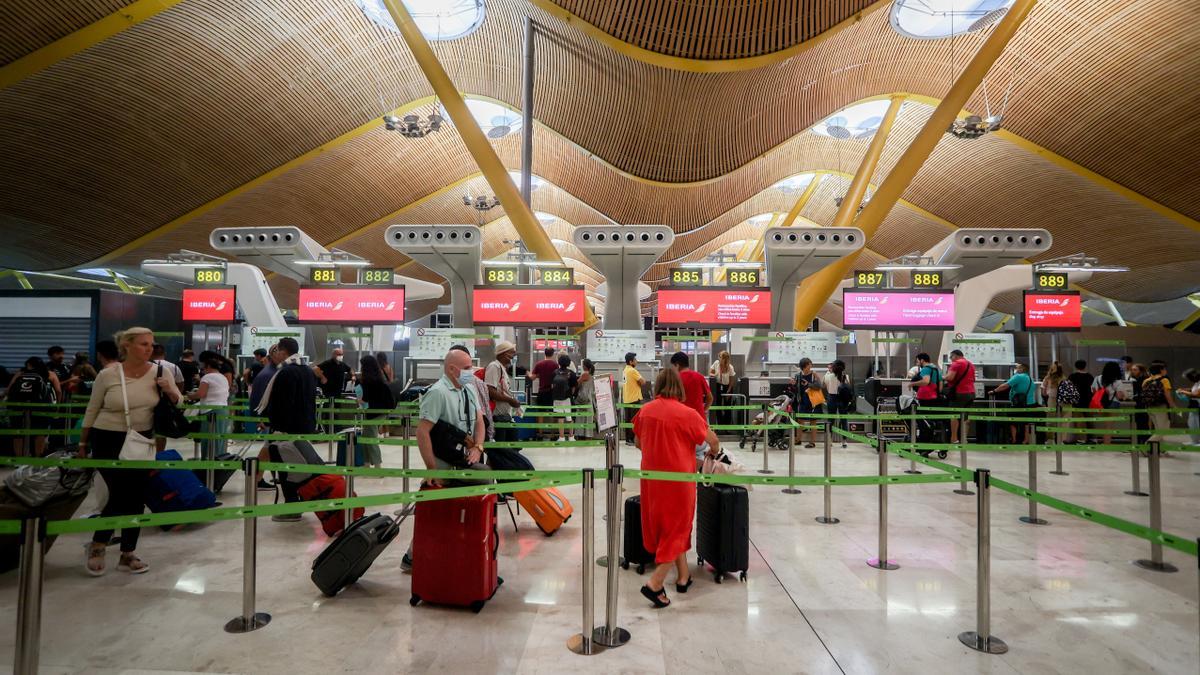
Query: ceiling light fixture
<point x="336" y="257"/>
<point x="481" y="203"/>
<point x="413" y="126"/>
<point x="1078" y="262"/>
<point x="913" y="262"/>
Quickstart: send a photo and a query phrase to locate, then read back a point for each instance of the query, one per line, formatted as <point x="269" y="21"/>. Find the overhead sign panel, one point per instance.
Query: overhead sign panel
<point x="528" y="306"/>
<point x="715" y="307"/>
<point x="352" y="306"/>
<point x="1053" y="311"/>
<point x="210" y="304"/>
<point x="897" y="309"/>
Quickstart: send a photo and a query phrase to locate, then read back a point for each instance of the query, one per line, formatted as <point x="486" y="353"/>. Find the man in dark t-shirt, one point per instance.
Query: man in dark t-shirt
<point x="333" y="374"/>
<point x="544" y="372"/>
<point x="1082" y="380"/>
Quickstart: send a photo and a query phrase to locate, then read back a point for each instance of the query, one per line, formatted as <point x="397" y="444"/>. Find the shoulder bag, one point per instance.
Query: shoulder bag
<point x="169" y="420"/>
<point x="136" y="446"/>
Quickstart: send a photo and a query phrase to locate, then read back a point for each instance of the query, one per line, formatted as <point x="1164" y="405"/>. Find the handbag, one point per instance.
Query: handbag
<point x="37" y="486"/>
<point x="816" y="393"/>
<point x="136" y="446"/>
<point x="169" y="420"/>
<point x="449" y="444"/>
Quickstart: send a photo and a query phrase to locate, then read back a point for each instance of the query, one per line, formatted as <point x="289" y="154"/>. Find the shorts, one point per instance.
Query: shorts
<point x="544" y="399"/>
<point x="563" y="406"/>
<point x="964" y="399"/>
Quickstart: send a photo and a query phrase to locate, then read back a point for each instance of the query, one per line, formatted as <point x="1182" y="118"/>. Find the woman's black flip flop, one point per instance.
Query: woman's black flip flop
<point x="654" y="596"/>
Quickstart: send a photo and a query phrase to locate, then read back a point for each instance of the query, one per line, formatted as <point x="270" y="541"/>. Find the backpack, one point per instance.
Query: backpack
<point x="1099" y="399"/>
<point x="30" y="387"/>
<point x="560" y="386"/>
<point x="1067" y="393"/>
<point x="1153" y="393"/>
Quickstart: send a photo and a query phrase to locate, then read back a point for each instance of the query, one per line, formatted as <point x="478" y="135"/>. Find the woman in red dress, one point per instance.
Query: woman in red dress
<point x="668" y="433"/>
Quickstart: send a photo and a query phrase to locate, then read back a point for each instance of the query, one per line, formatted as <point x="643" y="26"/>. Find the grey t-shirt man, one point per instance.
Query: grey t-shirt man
<point x="495" y="375"/>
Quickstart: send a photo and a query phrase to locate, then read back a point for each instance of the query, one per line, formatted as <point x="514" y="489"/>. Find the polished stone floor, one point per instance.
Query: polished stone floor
<point x="1064" y="596"/>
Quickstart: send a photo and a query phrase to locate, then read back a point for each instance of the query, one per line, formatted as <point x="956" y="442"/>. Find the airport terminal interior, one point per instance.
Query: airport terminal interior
<point x="638" y="336"/>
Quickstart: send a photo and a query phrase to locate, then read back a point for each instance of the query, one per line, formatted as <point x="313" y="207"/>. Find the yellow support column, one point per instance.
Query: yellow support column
<point x="21" y="279"/>
<point x="817" y="289"/>
<point x="846" y="212"/>
<point x="485" y="156"/>
<point x="798" y="208"/>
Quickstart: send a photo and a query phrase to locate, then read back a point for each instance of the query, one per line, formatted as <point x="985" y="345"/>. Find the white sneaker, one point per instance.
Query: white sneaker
<point x="560" y="439"/>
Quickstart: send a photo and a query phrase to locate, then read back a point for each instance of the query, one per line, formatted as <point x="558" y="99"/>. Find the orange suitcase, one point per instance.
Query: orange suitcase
<point x="549" y="508"/>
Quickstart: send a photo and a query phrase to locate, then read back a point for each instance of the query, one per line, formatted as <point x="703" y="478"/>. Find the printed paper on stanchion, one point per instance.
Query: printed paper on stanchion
<point x="606" y="412"/>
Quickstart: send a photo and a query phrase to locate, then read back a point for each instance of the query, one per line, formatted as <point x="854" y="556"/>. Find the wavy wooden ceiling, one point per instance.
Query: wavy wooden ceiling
<point x="179" y="110"/>
<point x="714" y="29"/>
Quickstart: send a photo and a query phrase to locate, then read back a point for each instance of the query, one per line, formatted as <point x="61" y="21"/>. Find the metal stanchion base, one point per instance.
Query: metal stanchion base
<point x="964" y="492"/>
<point x="1033" y="521"/>
<point x="765" y="471"/>
<point x="240" y="625"/>
<point x="883" y="564"/>
<point x="993" y="645"/>
<point x="827" y="521"/>
<point x="790" y="491"/>
<point x="619" y="636"/>
<point x="1156" y="566"/>
<point x="1059" y="473"/>
<point x="912" y="471"/>
<point x="584" y="646"/>
<point x="1134" y="493"/>
<point x="603" y="561"/>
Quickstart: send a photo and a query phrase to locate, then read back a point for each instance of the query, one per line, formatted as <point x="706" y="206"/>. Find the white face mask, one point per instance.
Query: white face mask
<point x="338" y="358"/>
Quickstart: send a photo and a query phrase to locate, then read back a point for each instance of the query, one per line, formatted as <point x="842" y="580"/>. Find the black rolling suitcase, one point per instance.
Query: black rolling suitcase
<point x="220" y="476"/>
<point x="635" y="552"/>
<point x="723" y="528"/>
<point x="350" y="555"/>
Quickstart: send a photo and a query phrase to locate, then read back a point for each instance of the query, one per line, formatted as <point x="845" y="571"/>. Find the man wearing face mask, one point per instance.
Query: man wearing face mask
<point x="333" y="374"/>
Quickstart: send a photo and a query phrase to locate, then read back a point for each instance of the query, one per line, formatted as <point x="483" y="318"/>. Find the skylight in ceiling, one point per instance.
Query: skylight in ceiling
<point x="932" y="19"/>
<point x="760" y="219"/>
<point x="858" y="121"/>
<point x="437" y="19"/>
<point x="545" y="218"/>
<point x="535" y="181"/>
<point x="496" y="121"/>
<point x="794" y="184"/>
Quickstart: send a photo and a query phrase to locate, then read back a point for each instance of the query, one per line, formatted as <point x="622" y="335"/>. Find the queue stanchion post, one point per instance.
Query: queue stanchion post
<point x="962" y="454"/>
<point x="791" y="489"/>
<point x="1137" y="475"/>
<point x="912" y="438"/>
<point x="612" y="457"/>
<point x="1155" y="562"/>
<point x="827" y="517"/>
<point x="29" y="596"/>
<point x="1058" y="456"/>
<point x="766" y="440"/>
<point x="882" y="562"/>
<point x="1032" y="518"/>
<point x="582" y="643"/>
<point x="211" y="453"/>
<point x="610" y="634"/>
<point x="981" y="639"/>
<point x="348" y="514"/>
<point x="250" y="620"/>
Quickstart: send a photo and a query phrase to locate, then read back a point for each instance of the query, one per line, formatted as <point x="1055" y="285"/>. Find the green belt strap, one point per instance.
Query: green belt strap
<point x="39" y="432"/>
<point x="856" y="437"/>
<point x="118" y="463"/>
<point x="540" y="425"/>
<point x="311" y="438"/>
<point x="1181" y="544"/>
<point x="1008" y="447"/>
<point x="751" y="427"/>
<point x="738" y="479"/>
<point x="1035" y="420"/>
<point x="1115" y="432"/>
<point x="243" y="418"/>
<point x="735" y="407"/>
<point x="545" y="444"/>
<point x="456" y="474"/>
<point x="18" y="405"/>
<point x="958" y="472"/>
<point x="367" y="440"/>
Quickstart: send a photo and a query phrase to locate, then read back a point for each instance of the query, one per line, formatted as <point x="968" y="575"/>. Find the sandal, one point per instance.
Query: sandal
<point x="93" y="559"/>
<point x="132" y="564"/>
<point x="810" y="445"/>
<point x="683" y="588"/>
<point x="659" y="597"/>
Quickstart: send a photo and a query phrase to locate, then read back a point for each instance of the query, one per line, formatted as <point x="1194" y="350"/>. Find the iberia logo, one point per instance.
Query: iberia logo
<point x="221" y="306"/>
<point x="338" y="306"/>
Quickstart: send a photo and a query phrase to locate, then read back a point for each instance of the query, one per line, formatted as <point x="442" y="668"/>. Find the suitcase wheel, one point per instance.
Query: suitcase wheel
<point x="942" y="454"/>
<point x="414" y="600"/>
<point x="718" y="577"/>
<point x="477" y="606"/>
<point x="624" y="564"/>
<point x="641" y="569"/>
<point x="743" y="576"/>
<point x="742" y="443"/>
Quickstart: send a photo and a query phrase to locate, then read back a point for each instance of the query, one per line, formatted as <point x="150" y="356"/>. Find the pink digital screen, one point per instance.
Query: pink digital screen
<point x="528" y="306"/>
<point x="714" y="307"/>
<point x="352" y="306"/>
<point x="897" y="309"/>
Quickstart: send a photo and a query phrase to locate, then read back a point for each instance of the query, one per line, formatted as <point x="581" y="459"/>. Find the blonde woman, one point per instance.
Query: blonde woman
<point x="104" y="426"/>
<point x="725" y="380"/>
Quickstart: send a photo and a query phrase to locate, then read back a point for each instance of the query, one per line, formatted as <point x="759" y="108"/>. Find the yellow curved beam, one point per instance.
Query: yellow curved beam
<point x="699" y="65"/>
<point x="84" y="38"/>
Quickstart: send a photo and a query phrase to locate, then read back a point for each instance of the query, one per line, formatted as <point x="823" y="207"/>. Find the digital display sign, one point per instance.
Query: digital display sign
<point x="323" y="275"/>
<point x="494" y="276"/>
<point x="741" y="278"/>
<point x="209" y="276"/>
<point x="558" y="276"/>
<point x="352" y="305"/>
<point x="714" y="307"/>
<point x="1061" y="311"/>
<point x="927" y="279"/>
<point x="868" y="279"/>
<point x="378" y="276"/>
<point x="897" y="309"/>
<point x="685" y="276"/>
<point x="1050" y="281"/>
<point x="210" y="304"/>
<point x="528" y="306"/>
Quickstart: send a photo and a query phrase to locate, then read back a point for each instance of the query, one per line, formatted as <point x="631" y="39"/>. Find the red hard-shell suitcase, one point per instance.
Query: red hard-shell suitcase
<point x="455" y="542"/>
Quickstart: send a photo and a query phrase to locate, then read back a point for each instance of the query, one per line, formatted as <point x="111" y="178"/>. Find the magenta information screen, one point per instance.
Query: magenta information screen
<point x="897" y="309"/>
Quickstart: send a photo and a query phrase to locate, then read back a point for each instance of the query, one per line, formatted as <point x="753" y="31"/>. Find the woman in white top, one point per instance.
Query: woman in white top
<point x="838" y="395"/>
<point x="726" y="379"/>
<point x="104" y="429"/>
<point x="213" y="390"/>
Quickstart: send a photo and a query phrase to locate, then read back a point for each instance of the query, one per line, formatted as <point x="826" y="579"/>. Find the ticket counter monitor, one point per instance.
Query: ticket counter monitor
<point x="623" y="253"/>
<point x="453" y="251"/>
<point x="254" y="296"/>
<point x="793" y="253"/>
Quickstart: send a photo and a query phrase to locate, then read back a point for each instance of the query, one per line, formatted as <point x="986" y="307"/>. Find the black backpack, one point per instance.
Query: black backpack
<point x="1154" y="394"/>
<point x="29" y="387"/>
<point x="1067" y="393"/>
<point x="560" y="386"/>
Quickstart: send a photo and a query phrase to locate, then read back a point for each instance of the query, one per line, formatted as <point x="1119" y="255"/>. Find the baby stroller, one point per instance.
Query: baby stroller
<point x="928" y="431"/>
<point x="775" y="438"/>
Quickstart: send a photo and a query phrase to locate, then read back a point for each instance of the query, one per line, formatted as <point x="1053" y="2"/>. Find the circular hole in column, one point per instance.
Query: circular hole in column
<point x="966" y="241"/>
<point x="287" y="237"/>
<point x="1037" y="241"/>
<point x="628" y="236"/>
<point x="222" y="239"/>
<point x="837" y="238"/>
<point x="587" y="236"/>
<point x="645" y="236"/>
<point x="660" y="236"/>
<point x="979" y="240"/>
<point x="453" y="236"/>
<point x="601" y="237"/>
<point x="1024" y="240"/>
<point x="807" y="238"/>
<point x="440" y="236"/>
<point x="237" y="238"/>
<point x="820" y="237"/>
<point x="275" y="237"/>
